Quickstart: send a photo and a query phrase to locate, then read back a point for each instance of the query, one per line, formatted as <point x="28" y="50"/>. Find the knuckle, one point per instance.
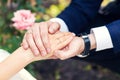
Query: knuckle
<point x="35" y="36"/>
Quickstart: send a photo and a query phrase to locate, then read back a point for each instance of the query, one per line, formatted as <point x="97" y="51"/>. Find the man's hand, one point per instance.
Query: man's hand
<point x="39" y="40"/>
<point x="75" y="47"/>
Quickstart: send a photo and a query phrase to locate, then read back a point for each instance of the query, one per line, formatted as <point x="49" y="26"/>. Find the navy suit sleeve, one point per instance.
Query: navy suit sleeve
<point x="79" y="14"/>
<point x="114" y="29"/>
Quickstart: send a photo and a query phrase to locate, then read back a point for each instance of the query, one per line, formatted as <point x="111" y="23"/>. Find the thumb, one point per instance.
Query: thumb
<point x="54" y="27"/>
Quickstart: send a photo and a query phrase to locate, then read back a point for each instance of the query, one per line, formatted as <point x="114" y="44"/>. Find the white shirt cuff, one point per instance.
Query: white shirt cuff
<point x="64" y="27"/>
<point x="102" y="37"/>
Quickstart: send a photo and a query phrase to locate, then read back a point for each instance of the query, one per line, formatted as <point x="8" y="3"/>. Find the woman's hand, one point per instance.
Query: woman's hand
<point x="39" y="40"/>
<point x="58" y="41"/>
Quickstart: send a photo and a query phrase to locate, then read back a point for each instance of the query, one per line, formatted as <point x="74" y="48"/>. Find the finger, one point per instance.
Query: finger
<point x="49" y="22"/>
<point x="54" y="27"/>
<point x="64" y="37"/>
<point x="61" y="54"/>
<point x="52" y="57"/>
<point x="61" y="34"/>
<point x="58" y="42"/>
<point x="64" y="41"/>
<point x="44" y="36"/>
<point x="69" y="52"/>
<point x="31" y="43"/>
<point x="37" y="39"/>
<point x="24" y="43"/>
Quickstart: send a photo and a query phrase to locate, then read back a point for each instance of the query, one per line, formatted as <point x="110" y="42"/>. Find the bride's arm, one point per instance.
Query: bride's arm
<point x="14" y="63"/>
<point x="20" y="57"/>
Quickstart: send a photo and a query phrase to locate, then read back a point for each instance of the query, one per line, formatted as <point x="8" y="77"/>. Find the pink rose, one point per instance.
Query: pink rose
<point x="23" y="19"/>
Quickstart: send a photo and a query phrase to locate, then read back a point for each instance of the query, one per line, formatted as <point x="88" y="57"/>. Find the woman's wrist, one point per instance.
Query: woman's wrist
<point x="26" y="55"/>
<point x="16" y="61"/>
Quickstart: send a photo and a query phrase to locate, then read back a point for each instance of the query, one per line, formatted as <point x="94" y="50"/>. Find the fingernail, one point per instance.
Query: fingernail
<point x="51" y="30"/>
<point x="36" y="52"/>
<point x="43" y="53"/>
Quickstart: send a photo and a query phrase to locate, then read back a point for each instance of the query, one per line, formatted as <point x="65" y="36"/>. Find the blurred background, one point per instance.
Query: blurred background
<point x="70" y="69"/>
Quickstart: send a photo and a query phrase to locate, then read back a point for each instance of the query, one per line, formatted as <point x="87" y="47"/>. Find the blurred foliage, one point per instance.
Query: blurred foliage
<point x="10" y="38"/>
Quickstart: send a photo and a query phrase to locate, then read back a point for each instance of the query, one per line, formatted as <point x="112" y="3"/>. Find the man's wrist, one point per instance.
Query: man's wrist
<point x="87" y="43"/>
<point x="92" y="41"/>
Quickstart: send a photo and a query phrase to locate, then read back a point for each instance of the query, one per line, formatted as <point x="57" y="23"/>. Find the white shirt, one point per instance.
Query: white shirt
<point x="102" y="36"/>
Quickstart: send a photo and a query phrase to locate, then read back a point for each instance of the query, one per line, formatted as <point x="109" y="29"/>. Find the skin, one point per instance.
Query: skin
<point x="75" y="47"/>
<point x="41" y="30"/>
<point x="21" y="57"/>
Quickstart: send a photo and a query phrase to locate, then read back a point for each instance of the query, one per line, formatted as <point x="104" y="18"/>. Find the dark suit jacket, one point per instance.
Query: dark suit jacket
<point x="79" y="15"/>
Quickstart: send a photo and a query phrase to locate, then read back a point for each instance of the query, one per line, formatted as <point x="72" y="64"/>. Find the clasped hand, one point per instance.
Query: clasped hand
<point x="47" y="42"/>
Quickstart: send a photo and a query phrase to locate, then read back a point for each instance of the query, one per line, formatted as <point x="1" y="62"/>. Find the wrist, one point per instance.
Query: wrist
<point x="26" y="55"/>
<point x="19" y="59"/>
<point x="92" y="41"/>
<point x="87" y="43"/>
<point x="82" y="44"/>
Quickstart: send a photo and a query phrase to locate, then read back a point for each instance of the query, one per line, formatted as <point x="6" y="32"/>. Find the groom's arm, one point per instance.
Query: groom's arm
<point x="114" y="30"/>
<point x="79" y="14"/>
